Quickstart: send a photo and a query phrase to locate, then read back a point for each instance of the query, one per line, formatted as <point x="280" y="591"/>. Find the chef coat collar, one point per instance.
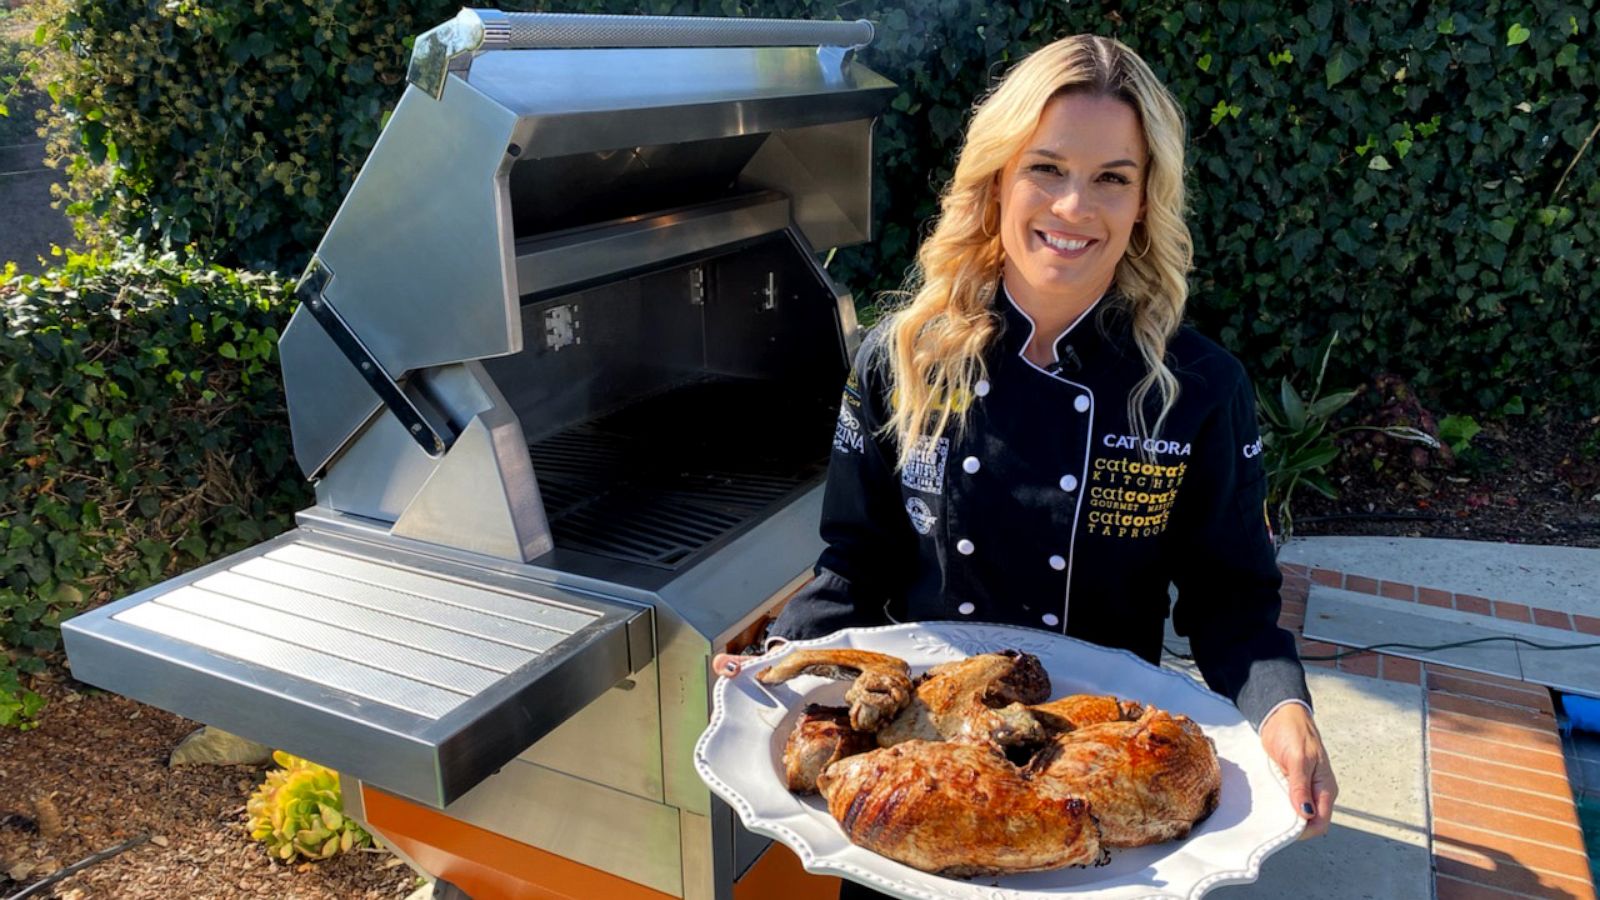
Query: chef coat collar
<point x="1019" y="326"/>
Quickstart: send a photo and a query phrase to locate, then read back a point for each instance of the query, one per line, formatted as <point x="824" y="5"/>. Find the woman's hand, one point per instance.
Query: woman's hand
<point x="1291" y="738"/>
<point x="727" y="665"/>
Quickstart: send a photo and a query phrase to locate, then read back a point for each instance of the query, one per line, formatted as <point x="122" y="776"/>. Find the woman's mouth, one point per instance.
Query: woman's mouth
<point x="1068" y="248"/>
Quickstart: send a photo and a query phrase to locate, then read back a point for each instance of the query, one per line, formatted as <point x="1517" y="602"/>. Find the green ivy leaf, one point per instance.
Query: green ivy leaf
<point x="1379" y="164"/>
<point x="1204" y="63"/>
<point x="1516" y="34"/>
<point x="1447" y="25"/>
<point x="1340" y="64"/>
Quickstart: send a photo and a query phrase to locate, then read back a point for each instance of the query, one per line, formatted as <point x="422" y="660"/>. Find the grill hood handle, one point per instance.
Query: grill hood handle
<point x="451" y="46"/>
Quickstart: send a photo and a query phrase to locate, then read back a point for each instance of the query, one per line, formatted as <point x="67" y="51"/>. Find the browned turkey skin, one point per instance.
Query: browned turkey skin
<point x="1079" y="710"/>
<point x="822" y="736"/>
<point x="1146" y="781"/>
<point x="957" y="809"/>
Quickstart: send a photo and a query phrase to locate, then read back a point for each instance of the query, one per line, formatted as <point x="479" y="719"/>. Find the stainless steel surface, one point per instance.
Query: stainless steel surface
<point x="614" y="741"/>
<point x="827" y="170"/>
<point x="386" y="685"/>
<point x="482" y="496"/>
<point x="580" y="255"/>
<point x="591" y="100"/>
<point x="610" y="830"/>
<point x="328" y="401"/>
<point x="706" y="850"/>
<point x="703" y="608"/>
<point x="447" y="47"/>
<point x="425" y="233"/>
<point x="547" y="30"/>
<point x="431" y="435"/>
<point x="379" y="473"/>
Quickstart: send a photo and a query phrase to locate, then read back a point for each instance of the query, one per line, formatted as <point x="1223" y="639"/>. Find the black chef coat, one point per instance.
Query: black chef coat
<point x="1043" y="512"/>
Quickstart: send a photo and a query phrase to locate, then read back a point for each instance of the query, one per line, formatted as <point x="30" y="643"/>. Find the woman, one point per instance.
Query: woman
<point x="1033" y="439"/>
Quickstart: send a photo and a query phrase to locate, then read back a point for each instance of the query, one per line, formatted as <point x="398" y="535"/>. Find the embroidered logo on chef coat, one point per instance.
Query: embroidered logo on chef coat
<point x="847" y="436"/>
<point x="924" y="471"/>
<point x="1252" y="450"/>
<point x="1129" y="498"/>
<point x="922" y="518"/>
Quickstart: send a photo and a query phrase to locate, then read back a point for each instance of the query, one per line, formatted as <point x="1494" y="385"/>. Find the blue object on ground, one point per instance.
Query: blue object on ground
<point x="1583" y="713"/>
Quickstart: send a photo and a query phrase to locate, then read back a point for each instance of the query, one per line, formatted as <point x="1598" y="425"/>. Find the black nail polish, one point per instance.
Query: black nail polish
<point x="1308" y="809"/>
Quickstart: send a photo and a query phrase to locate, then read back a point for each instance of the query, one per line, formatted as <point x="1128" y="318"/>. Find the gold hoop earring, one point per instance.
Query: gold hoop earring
<point x="1142" y="253"/>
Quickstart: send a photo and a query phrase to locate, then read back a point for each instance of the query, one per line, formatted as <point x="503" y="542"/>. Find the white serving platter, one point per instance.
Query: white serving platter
<point x="740" y="757"/>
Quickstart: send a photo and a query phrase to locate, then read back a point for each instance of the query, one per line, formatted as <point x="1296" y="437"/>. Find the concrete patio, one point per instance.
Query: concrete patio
<point x="1454" y="784"/>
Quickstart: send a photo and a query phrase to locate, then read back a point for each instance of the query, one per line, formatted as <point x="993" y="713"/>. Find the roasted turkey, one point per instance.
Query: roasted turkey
<point x="881" y="688"/>
<point x="941" y="794"/>
<point x="821" y="736"/>
<point x="982" y="698"/>
<point x="1146" y="781"/>
<point x="1077" y="710"/>
<point x="958" y="809"/>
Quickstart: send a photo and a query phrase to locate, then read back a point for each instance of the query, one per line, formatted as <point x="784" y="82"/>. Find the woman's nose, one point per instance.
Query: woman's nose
<point x="1073" y="202"/>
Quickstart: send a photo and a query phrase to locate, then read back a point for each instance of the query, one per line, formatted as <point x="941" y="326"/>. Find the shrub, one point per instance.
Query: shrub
<point x="142" y="432"/>
<point x="235" y="126"/>
<point x="1409" y="175"/>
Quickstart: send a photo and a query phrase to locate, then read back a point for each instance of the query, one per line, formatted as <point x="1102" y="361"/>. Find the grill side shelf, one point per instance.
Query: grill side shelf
<point x="417" y="676"/>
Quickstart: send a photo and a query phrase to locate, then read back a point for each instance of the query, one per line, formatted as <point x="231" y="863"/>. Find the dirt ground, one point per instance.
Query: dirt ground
<point x="1526" y="481"/>
<point x="94" y="774"/>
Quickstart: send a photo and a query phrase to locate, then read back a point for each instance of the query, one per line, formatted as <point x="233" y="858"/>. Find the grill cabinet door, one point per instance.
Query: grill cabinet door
<point x="417" y="675"/>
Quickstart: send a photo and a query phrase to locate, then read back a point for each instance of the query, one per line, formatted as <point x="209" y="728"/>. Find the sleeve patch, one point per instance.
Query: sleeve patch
<point x="847" y="435"/>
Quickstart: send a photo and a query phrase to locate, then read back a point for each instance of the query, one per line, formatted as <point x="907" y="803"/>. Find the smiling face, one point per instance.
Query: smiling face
<point x="1068" y="203"/>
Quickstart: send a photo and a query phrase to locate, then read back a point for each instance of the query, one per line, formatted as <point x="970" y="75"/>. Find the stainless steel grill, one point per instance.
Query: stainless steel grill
<point x="564" y="374"/>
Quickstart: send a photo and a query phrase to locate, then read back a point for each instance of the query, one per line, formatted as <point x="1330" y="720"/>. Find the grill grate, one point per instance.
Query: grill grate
<point x="666" y="477"/>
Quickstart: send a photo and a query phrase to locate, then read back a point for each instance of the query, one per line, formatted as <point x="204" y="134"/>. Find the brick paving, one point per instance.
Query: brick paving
<point x="1394" y="590"/>
<point x="1504" y="824"/>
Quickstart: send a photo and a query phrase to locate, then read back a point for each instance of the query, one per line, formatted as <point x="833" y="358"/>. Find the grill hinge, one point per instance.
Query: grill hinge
<point x="311" y="289"/>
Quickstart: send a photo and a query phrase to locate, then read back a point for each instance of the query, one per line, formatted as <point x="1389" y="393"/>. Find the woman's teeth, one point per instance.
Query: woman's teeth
<point x="1060" y="244"/>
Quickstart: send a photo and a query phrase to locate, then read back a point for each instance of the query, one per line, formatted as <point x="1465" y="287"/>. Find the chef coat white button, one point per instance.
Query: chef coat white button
<point x="1051" y="620"/>
<point x="1082" y="403"/>
<point x="1057" y="563"/>
<point x="964" y="547"/>
<point x="966" y="609"/>
<point x="970" y="465"/>
<point x="981" y="388"/>
<point x="1069" y="483"/>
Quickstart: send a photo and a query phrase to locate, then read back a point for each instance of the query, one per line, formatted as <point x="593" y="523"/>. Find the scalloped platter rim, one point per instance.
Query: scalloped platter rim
<point x="751" y="722"/>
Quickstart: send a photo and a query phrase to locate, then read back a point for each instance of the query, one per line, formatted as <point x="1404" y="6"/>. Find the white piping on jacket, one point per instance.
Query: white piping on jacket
<point x="1088" y="441"/>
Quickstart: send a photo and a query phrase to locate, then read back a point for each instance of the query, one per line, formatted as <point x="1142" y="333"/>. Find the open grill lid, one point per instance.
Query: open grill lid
<point x="581" y="120"/>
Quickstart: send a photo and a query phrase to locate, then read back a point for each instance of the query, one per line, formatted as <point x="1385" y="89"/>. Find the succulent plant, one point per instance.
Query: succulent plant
<point x="299" y="810"/>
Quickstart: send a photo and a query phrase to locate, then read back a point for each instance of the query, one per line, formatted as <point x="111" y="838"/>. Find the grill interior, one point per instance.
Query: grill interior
<point x="663" y="478"/>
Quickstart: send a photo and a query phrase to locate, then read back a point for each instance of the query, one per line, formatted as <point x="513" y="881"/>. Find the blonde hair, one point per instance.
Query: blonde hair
<point x="934" y="343"/>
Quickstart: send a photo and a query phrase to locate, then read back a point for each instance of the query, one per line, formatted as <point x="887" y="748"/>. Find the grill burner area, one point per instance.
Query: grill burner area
<point x="663" y="478"/>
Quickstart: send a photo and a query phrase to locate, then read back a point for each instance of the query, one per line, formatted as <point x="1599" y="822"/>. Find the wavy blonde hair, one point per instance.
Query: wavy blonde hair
<point x="935" y="341"/>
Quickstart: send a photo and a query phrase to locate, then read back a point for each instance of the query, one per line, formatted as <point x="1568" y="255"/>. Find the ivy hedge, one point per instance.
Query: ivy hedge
<point x="1417" y="176"/>
<point x="142" y="432"/>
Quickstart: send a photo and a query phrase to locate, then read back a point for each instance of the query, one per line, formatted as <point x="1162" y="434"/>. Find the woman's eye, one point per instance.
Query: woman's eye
<point x="1047" y="168"/>
<point x="1114" y="178"/>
